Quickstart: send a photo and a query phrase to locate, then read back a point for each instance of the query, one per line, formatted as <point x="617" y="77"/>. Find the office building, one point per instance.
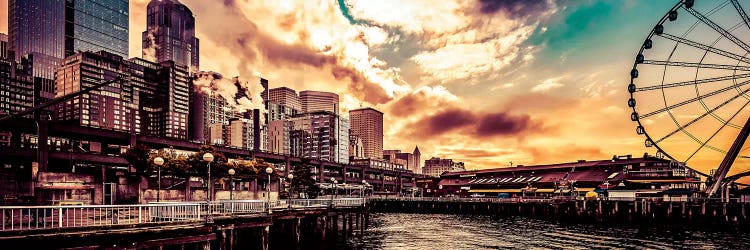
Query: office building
<point x="208" y="106"/>
<point x="279" y="136"/>
<point x="162" y="91"/>
<point x="54" y="29"/>
<point x="409" y="160"/>
<point x="436" y="166"/>
<point x="285" y="96"/>
<point x="4" y="46"/>
<point x="367" y="124"/>
<point x="170" y="34"/>
<point x="109" y="107"/>
<point x="319" y="135"/>
<point x="313" y="101"/>
<point x="16" y="89"/>
<point x="356" y="147"/>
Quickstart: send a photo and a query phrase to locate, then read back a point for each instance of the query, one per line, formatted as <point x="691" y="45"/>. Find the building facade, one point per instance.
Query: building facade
<point x="313" y="101"/>
<point x="319" y="135"/>
<point x="170" y="34"/>
<point x="367" y="124"/>
<point x="4" y="46"/>
<point x="286" y="97"/>
<point x="55" y="29"/>
<point x="436" y="166"/>
<point x="16" y="89"/>
<point x="109" y="107"/>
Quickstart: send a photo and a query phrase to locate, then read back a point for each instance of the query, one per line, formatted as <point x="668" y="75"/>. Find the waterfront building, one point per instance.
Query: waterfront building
<point x="313" y="101"/>
<point x="409" y="160"/>
<point x="367" y="124"/>
<point x="170" y="34"/>
<point x="621" y="178"/>
<point x="54" y="29"/>
<point x="436" y="166"/>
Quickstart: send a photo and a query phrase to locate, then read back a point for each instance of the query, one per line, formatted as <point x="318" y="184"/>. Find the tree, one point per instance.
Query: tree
<point x="219" y="165"/>
<point x="139" y="157"/>
<point x="303" y="181"/>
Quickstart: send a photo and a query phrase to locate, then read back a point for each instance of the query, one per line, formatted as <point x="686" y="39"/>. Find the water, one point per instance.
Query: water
<point x="440" y="231"/>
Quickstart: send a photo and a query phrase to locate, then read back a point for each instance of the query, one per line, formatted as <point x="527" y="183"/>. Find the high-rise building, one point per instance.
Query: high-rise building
<point x="279" y="136"/>
<point x="161" y="91"/>
<point x="409" y="160"/>
<point x="436" y="166"/>
<point x="285" y="96"/>
<point x="367" y="124"/>
<point x="356" y="147"/>
<point x="313" y="101"/>
<point x="109" y="107"/>
<point x="55" y="29"/>
<point x="208" y="106"/>
<point x="318" y="135"/>
<point x="4" y="46"/>
<point x="16" y="90"/>
<point x="170" y="34"/>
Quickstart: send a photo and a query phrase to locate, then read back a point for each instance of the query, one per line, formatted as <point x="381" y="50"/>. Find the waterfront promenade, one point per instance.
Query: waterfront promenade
<point x="217" y="225"/>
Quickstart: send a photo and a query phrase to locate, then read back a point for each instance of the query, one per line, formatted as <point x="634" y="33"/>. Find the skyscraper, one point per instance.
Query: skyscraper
<point x="4" y="46"/>
<point x="54" y="29"/>
<point x="285" y="96"/>
<point x="313" y="101"/>
<point x="367" y="124"/>
<point x="170" y="34"/>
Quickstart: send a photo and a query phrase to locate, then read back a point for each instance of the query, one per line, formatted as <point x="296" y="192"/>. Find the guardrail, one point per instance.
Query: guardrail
<point x="48" y="217"/>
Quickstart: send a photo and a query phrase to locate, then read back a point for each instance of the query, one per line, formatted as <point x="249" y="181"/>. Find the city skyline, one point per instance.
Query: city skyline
<point x="475" y="111"/>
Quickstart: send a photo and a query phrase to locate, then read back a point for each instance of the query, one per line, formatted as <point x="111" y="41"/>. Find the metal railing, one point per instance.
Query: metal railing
<point x="467" y="199"/>
<point x="48" y="217"/>
<point x="41" y="217"/>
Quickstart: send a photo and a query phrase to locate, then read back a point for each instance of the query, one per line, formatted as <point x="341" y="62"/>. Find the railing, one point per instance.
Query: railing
<point x="41" y="217"/>
<point x="461" y="199"/>
<point x="48" y="217"/>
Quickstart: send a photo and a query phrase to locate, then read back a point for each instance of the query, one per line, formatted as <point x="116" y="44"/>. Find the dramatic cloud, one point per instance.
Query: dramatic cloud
<point x="475" y="124"/>
<point x="461" y="40"/>
<point x="547" y="85"/>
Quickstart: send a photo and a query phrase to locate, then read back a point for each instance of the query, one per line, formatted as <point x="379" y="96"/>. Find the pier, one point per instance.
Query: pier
<point x="235" y="224"/>
<point x="698" y="212"/>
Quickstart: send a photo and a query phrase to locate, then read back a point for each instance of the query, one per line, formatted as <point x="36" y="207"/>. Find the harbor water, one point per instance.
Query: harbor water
<point x="443" y="231"/>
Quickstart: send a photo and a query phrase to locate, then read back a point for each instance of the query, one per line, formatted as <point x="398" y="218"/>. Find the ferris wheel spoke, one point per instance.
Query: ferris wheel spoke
<point x="741" y="11"/>
<point x="711" y="111"/>
<point x="705" y="47"/>
<point x="693" y="82"/>
<point x="697" y="65"/>
<point x="709" y="94"/>
<point x="718" y="28"/>
<point x="724" y="124"/>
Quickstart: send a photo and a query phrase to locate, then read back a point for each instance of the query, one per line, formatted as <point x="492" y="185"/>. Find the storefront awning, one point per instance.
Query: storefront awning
<point x="495" y="191"/>
<point x="545" y="190"/>
<point x="658" y="181"/>
<point x="585" y="189"/>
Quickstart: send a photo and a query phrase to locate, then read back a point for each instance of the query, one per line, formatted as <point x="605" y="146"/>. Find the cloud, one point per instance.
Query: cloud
<point x="475" y="124"/>
<point x="425" y="99"/>
<point x="461" y="40"/>
<point x="547" y="85"/>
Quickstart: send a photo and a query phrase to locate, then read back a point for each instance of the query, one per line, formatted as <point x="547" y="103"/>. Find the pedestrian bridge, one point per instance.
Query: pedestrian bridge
<point x="31" y="218"/>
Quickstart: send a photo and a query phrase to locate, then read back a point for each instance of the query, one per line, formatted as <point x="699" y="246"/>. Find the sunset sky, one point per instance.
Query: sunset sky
<point x="484" y="82"/>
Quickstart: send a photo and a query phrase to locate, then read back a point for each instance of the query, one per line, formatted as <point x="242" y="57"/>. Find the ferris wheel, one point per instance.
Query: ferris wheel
<point x="690" y="86"/>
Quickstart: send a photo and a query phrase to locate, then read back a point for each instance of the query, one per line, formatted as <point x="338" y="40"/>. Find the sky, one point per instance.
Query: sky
<point x="486" y="82"/>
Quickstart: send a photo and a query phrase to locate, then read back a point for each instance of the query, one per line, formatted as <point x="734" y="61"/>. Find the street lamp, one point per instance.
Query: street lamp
<point x="289" y="195"/>
<point x="159" y="162"/>
<point x="231" y="183"/>
<point x="361" y="189"/>
<point x="208" y="158"/>
<point x="333" y="185"/>
<point x="269" y="171"/>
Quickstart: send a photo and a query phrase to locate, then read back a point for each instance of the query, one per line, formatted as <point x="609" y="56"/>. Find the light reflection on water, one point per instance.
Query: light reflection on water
<point x="442" y="231"/>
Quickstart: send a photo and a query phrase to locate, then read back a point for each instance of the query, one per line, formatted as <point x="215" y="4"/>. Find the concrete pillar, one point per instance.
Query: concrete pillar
<point x="321" y="178"/>
<point x="297" y="232"/>
<point x="288" y="165"/>
<point x="343" y="173"/>
<point x="265" y="238"/>
<point x="43" y="148"/>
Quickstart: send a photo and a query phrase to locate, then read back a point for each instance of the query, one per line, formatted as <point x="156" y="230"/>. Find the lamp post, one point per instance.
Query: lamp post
<point x="362" y="189"/>
<point x="289" y="195"/>
<point x="269" y="171"/>
<point x="159" y="162"/>
<point x="333" y="185"/>
<point x="208" y="158"/>
<point x="231" y="183"/>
